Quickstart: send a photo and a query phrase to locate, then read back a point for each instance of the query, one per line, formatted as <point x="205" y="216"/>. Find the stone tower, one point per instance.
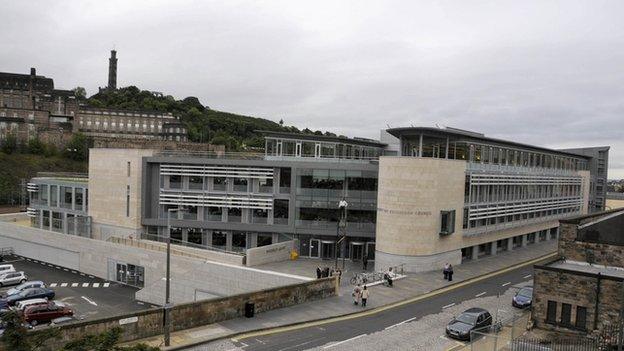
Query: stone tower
<point x="112" y="71"/>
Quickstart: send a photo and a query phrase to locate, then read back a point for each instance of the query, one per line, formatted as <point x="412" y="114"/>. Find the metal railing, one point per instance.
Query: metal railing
<point x="71" y="175"/>
<point x="501" y="334"/>
<point x="212" y="154"/>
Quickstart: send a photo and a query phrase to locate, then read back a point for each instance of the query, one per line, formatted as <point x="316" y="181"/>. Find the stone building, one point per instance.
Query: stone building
<point x="583" y="290"/>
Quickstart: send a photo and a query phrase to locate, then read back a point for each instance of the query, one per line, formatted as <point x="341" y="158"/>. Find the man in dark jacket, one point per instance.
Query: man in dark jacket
<point x="318" y="272"/>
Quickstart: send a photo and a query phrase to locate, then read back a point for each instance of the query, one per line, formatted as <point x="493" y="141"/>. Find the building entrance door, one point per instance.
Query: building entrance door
<point x="314" y="247"/>
<point x="328" y="249"/>
<point x="122" y="272"/>
<point x="357" y="251"/>
<point x="370" y="251"/>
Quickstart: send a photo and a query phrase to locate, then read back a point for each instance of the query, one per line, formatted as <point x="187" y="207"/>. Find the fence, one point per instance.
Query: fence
<point x="567" y="344"/>
<point x="501" y="334"/>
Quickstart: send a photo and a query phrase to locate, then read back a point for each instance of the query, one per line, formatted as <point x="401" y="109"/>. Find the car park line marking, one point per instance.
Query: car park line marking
<point x="82" y="274"/>
<point x="85" y="285"/>
<point x="449" y="305"/>
<point x="92" y="277"/>
<point x="480" y="294"/>
<point x="106" y="285"/>
<point x="66" y="270"/>
<point x="96" y="285"/>
<point x="527" y="276"/>
<point x="343" y="341"/>
<point x="74" y="272"/>
<point x="57" y="267"/>
<point x="89" y="300"/>
<point x="506" y="284"/>
<point x="74" y="285"/>
<point x="53" y="285"/>
<point x="63" y="285"/>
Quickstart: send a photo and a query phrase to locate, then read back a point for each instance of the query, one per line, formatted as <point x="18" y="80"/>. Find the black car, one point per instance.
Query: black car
<point x="471" y="319"/>
<point x="33" y="293"/>
<point x="523" y="298"/>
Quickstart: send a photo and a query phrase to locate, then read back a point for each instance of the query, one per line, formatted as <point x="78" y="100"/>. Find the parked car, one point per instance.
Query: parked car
<point x="5" y="268"/>
<point x="44" y="313"/>
<point x="523" y="298"/>
<point x="24" y="286"/>
<point x="28" y="294"/>
<point x="469" y="320"/>
<point x="21" y="305"/>
<point x="12" y="278"/>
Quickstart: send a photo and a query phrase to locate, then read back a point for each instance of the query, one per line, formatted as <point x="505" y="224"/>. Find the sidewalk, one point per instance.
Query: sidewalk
<point x="413" y="285"/>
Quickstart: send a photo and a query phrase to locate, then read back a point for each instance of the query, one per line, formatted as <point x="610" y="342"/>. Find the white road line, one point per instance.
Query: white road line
<point x="96" y="285"/>
<point x="28" y="259"/>
<point x="449" y="305"/>
<point x="480" y="294"/>
<point x="343" y="341"/>
<point x="85" y="285"/>
<point x="57" y="267"/>
<point x="106" y="285"/>
<point x="66" y="270"/>
<point x="392" y="326"/>
<point x="527" y="276"/>
<point x="74" y="272"/>
<point x="82" y="274"/>
<point x="63" y="285"/>
<point x="53" y="285"/>
<point x="89" y="300"/>
<point x="74" y="285"/>
<point x="92" y="277"/>
<point x="506" y="284"/>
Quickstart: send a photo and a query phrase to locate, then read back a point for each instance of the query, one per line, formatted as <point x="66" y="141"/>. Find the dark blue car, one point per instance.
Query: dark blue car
<point x="523" y="298"/>
<point x="33" y="293"/>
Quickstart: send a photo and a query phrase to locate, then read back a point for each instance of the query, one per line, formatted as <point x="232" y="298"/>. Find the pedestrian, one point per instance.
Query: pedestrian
<point x="446" y="270"/>
<point x="326" y="272"/>
<point x="318" y="272"/>
<point x="450" y="273"/>
<point x="365" y="262"/>
<point x="365" y="293"/>
<point x="388" y="276"/>
<point x="339" y="273"/>
<point x="357" y="294"/>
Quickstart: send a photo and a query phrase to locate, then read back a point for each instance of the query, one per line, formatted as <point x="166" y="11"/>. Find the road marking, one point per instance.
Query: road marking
<point x="506" y="284"/>
<point x="480" y="294"/>
<point x="74" y="285"/>
<point x="74" y="272"/>
<point x="85" y="285"/>
<point x="392" y="326"/>
<point x="343" y="341"/>
<point x="57" y="267"/>
<point x="106" y="285"/>
<point x="82" y="274"/>
<point x="449" y="305"/>
<point x="96" y="285"/>
<point x="89" y="300"/>
<point x="527" y="276"/>
<point x="28" y="259"/>
<point x="53" y="285"/>
<point x="396" y="325"/>
<point x="377" y="310"/>
<point x="66" y="270"/>
<point x="63" y="285"/>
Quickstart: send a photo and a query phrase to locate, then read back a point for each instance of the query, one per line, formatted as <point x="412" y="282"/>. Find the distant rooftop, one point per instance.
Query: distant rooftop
<point x="336" y="139"/>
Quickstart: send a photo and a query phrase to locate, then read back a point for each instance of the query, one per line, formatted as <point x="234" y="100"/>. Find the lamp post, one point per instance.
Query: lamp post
<point x="167" y="307"/>
<point x="342" y="222"/>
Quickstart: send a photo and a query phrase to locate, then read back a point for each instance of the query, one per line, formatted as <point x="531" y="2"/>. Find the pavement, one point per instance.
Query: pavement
<point x="412" y="289"/>
<point x="90" y="297"/>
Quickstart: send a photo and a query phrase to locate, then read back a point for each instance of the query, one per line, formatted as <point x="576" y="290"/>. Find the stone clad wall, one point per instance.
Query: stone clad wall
<point x="149" y="322"/>
<point x="270" y="253"/>
<point x="571" y="249"/>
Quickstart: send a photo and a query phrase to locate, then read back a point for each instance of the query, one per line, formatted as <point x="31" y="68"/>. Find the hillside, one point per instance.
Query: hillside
<point x="234" y="131"/>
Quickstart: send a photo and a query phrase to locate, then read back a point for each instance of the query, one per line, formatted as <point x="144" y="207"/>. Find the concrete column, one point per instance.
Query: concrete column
<point x="524" y="240"/>
<point x="493" y="249"/>
<point x="73" y="204"/>
<point x="275" y="238"/>
<point x="208" y="237"/>
<point x="228" y="241"/>
<point x="475" y="252"/>
<point x="185" y="235"/>
<point x="254" y="239"/>
<point x="509" y="244"/>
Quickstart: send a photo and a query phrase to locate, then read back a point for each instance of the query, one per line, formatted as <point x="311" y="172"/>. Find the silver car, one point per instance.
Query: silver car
<point x="12" y="278"/>
<point x="24" y="286"/>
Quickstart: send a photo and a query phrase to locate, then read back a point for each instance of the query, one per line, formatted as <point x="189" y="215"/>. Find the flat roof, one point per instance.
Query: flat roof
<point x="335" y="139"/>
<point x="399" y="132"/>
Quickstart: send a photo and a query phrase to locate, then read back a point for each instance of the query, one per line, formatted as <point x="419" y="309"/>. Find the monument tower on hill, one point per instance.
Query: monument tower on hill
<point x="112" y="71"/>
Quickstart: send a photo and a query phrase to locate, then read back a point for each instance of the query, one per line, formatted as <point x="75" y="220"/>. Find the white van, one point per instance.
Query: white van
<point x="21" y="305"/>
<point x="6" y="268"/>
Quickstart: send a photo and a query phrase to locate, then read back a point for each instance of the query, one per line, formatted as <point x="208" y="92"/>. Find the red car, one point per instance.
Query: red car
<point x="44" y="313"/>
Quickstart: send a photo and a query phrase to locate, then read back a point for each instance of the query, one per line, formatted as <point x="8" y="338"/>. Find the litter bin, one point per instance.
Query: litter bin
<point x="250" y="309"/>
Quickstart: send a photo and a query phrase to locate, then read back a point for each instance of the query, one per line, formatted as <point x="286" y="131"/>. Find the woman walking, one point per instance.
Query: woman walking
<point x="365" y="293"/>
<point x="357" y="294"/>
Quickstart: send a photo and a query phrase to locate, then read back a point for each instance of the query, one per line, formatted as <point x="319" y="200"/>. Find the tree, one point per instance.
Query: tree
<point x="9" y="144"/>
<point x="16" y="338"/>
<point x="78" y="147"/>
<point x="36" y="147"/>
<point x="80" y="92"/>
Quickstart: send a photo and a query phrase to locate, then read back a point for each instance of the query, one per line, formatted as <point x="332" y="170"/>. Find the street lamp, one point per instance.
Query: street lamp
<point x="342" y="222"/>
<point x="167" y="307"/>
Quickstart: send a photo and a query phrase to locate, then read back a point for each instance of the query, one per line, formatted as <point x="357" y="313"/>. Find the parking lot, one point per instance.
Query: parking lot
<point x="90" y="297"/>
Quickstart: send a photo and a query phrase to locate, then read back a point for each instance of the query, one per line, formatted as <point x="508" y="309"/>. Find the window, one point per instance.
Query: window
<point x="219" y="239"/>
<point x="581" y="317"/>
<point x="219" y="183"/>
<point x="447" y="222"/>
<point x="127" y="200"/>
<point x="128" y="166"/>
<point x="196" y="182"/>
<point x="551" y="312"/>
<point x="175" y="182"/>
<point x="566" y="313"/>
<point x="265" y="239"/>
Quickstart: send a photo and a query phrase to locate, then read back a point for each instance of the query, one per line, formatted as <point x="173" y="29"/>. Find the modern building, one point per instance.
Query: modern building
<point x="582" y="290"/>
<point x="598" y="167"/>
<point x="59" y="202"/>
<point x="443" y="195"/>
<point x="614" y="200"/>
<point x="453" y="195"/>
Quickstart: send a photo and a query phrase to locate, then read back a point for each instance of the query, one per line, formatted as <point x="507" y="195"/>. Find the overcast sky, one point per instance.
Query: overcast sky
<point x="549" y="73"/>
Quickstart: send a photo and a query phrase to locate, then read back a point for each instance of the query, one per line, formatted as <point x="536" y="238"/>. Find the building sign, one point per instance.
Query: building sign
<point x="404" y="212"/>
<point x="128" y="320"/>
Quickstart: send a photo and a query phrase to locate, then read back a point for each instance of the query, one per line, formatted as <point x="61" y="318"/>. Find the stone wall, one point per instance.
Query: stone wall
<point x="270" y="253"/>
<point x="121" y="143"/>
<point x="577" y="289"/>
<point x="184" y="316"/>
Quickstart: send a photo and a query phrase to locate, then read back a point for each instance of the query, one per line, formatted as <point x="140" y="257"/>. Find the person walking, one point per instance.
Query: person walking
<point x="365" y="293"/>
<point x="450" y="272"/>
<point x="446" y="270"/>
<point x="339" y="273"/>
<point x="365" y="262"/>
<point x="318" y="272"/>
<point x="357" y="294"/>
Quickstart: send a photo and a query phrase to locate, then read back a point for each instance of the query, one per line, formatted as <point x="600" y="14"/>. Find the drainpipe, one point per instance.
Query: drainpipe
<point x="597" y="301"/>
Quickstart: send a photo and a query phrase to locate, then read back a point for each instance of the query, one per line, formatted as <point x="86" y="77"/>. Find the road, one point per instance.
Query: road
<point x="336" y="333"/>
